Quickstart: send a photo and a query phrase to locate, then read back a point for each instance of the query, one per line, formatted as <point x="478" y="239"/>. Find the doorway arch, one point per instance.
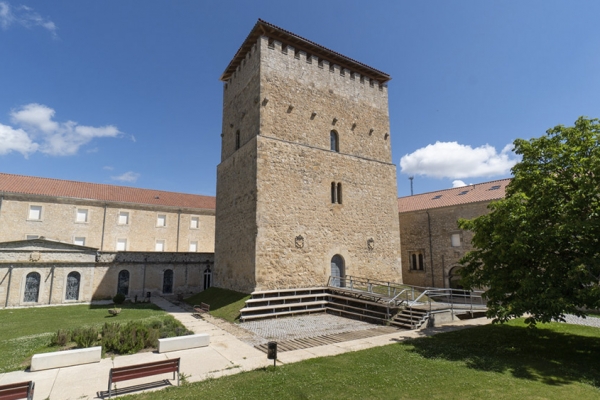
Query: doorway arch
<point x="338" y="271"/>
<point x="454" y="278"/>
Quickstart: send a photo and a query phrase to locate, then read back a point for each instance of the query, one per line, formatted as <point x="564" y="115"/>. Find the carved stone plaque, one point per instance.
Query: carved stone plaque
<point x="370" y="244"/>
<point x="35" y="256"/>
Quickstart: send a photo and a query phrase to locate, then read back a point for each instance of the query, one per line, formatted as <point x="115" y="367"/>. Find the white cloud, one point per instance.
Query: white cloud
<point x="108" y="168"/>
<point x="15" y="140"/>
<point x="128" y="176"/>
<point x="24" y="16"/>
<point x="457" y="161"/>
<point x="56" y="138"/>
<point x="458" y="183"/>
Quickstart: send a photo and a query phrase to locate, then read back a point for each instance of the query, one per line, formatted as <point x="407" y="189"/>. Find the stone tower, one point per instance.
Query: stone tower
<point x="306" y="187"/>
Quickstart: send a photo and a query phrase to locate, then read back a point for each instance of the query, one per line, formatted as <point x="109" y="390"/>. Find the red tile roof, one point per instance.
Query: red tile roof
<point x="451" y="197"/>
<point x="94" y="191"/>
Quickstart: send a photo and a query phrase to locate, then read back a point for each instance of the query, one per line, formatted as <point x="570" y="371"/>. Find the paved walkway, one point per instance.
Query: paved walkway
<point x="225" y="355"/>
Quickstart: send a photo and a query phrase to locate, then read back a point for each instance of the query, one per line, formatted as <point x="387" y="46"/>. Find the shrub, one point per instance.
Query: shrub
<point x="119" y="298"/>
<point x="85" y="337"/>
<point x="61" y="338"/>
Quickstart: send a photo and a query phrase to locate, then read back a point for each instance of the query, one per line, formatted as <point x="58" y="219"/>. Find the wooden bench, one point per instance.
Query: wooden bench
<point x="14" y="391"/>
<point x="142" y="370"/>
<point x="202" y="308"/>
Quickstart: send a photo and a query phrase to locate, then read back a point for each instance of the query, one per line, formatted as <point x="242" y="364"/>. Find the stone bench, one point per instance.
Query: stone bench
<point x="183" y="342"/>
<point x="67" y="358"/>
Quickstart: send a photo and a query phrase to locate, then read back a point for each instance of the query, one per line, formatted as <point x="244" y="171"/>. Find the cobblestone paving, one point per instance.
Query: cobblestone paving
<point x="300" y="327"/>
<point x="589" y="321"/>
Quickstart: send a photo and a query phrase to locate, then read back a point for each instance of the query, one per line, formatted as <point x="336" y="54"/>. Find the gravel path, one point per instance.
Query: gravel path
<point x="301" y="327"/>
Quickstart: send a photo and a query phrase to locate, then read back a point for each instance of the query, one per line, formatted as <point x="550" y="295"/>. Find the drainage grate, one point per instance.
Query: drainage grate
<point x="305" y="343"/>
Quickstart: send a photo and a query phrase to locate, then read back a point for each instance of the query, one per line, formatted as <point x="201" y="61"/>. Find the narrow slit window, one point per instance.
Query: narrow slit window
<point x="237" y="140"/>
<point x="339" y="193"/>
<point x="333" y="193"/>
<point x="334" y="141"/>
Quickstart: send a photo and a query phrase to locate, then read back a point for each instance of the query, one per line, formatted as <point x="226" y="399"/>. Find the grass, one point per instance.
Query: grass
<point x="554" y="361"/>
<point x="26" y="331"/>
<point x="223" y="303"/>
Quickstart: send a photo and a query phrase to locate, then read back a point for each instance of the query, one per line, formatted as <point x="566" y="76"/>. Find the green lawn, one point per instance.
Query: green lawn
<point x="223" y="303"/>
<point x="26" y="331"/>
<point x="555" y="361"/>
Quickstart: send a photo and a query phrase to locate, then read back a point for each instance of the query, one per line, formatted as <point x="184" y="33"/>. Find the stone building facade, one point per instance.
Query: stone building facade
<point x="105" y="217"/>
<point x="44" y="272"/>
<point x="432" y="243"/>
<point x="306" y="186"/>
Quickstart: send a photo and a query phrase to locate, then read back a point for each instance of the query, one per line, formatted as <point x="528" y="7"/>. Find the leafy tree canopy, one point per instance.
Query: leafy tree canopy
<point x="537" y="252"/>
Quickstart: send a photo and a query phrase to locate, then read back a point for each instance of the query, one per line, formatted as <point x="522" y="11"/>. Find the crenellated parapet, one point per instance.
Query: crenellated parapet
<point x="303" y="51"/>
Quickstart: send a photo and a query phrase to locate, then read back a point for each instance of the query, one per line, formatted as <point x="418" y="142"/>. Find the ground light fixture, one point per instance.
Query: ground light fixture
<point x="272" y="352"/>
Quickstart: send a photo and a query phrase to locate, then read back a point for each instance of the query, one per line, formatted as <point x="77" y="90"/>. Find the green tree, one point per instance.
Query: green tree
<point x="537" y="252"/>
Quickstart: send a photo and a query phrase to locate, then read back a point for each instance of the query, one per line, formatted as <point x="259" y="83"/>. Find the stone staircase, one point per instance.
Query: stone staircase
<point x="285" y="302"/>
<point x="410" y="318"/>
<point x="366" y="307"/>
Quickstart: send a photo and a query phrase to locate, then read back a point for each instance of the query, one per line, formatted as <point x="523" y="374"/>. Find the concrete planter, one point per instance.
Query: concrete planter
<point x="67" y="358"/>
<point x="183" y="342"/>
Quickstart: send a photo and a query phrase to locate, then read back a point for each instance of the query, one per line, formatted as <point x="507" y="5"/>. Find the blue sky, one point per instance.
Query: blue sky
<point x="128" y="92"/>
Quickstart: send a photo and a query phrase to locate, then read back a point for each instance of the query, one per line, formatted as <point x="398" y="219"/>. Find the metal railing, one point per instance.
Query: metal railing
<point x="410" y="296"/>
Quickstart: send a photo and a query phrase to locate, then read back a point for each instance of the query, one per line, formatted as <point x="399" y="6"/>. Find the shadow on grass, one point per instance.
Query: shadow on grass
<point x="556" y="354"/>
<point x="223" y="303"/>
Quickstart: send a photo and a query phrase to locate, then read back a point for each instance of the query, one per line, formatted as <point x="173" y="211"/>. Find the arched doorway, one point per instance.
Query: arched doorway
<point x="32" y="288"/>
<point x="168" y="282"/>
<point x="454" y="278"/>
<point x="338" y="271"/>
<point x="73" y="280"/>
<point x="123" y="284"/>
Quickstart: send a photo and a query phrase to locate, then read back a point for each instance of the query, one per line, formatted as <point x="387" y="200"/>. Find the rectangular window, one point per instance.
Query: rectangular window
<point x="161" y="220"/>
<point x="32" y="237"/>
<point x="82" y="215"/>
<point x="123" y="218"/>
<point x="195" y="223"/>
<point x="160" y="245"/>
<point x="35" y="213"/>
<point x="193" y="247"/>
<point x="121" y="244"/>
<point x="79" y="241"/>
<point x="456" y="240"/>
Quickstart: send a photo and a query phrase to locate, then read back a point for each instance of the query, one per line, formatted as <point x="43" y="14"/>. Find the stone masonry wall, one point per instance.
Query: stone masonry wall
<point x="414" y="233"/>
<point x="296" y="168"/>
<point x="58" y="222"/>
<point x="235" y="234"/>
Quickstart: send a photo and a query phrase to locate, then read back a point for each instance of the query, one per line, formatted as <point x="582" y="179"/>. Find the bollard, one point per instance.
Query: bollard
<point x="272" y="352"/>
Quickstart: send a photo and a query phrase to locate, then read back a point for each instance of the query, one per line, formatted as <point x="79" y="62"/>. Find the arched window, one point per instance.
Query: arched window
<point x="339" y="193"/>
<point x="73" y="280"/>
<point x="123" y="284"/>
<point x="237" y="139"/>
<point x="416" y="259"/>
<point x="335" y="142"/>
<point x="32" y="287"/>
<point x="168" y="282"/>
<point x="207" y="277"/>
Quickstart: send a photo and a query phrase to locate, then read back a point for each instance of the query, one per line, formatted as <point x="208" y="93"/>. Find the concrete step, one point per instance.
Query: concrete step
<point x="286" y="292"/>
<point x="284" y="299"/>
<point x="283" y="306"/>
<point x="349" y="314"/>
<point x="379" y="314"/>
<point x="281" y="314"/>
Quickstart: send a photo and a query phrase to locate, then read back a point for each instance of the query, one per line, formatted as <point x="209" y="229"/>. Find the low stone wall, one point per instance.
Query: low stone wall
<point x="67" y="358"/>
<point x="183" y="342"/>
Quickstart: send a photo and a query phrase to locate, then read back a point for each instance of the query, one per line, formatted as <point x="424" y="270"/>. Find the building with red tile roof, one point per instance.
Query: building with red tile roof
<point x="106" y="217"/>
